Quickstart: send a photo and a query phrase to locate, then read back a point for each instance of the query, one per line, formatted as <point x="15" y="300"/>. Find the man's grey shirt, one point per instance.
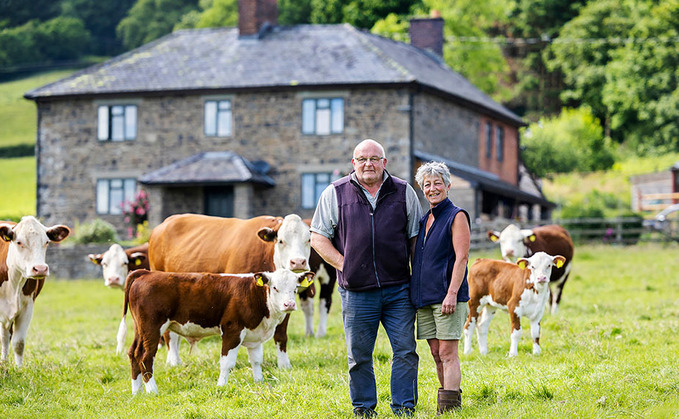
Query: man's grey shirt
<point x="325" y="218"/>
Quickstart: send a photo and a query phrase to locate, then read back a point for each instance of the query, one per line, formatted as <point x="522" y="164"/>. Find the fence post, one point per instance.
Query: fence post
<point x="618" y="235"/>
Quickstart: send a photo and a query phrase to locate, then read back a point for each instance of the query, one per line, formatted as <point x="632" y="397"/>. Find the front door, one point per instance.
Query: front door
<point x="219" y="201"/>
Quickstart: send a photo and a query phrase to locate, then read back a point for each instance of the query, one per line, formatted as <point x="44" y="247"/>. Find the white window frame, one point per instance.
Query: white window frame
<point x="113" y="193"/>
<point x="323" y="116"/>
<point x="218" y="118"/>
<point x="117" y="122"/>
<point x="313" y="184"/>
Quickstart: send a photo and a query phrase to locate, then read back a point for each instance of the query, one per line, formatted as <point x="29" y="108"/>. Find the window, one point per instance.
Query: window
<point x="500" y="139"/>
<point x="113" y="193"/>
<point x="218" y="118"/>
<point x="117" y="122"/>
<point x="489" y="140"/>
<point x="322" y="116"/>
<point x="313" y="184"/>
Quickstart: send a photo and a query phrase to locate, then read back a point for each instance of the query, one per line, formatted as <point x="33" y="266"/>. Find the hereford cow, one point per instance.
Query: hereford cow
<point x="22" y="274"/>
<point x="522" y="289"/>
<point x="551" y="239"/>
<point x="201" y="243"/>
<point x="243" y="309"/>
<point x="117" y="262"/>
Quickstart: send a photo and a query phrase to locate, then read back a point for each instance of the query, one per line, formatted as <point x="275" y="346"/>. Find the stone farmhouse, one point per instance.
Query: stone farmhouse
<point x="258" y="119"/>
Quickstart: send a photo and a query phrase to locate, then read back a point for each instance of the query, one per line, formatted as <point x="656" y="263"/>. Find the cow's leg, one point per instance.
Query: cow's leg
<point x="280" y="336"/>
<point x="231" y="340"/>
<point x="5" y="337"/>
<point x="556" y="289"/>
<point x="21" y="324"/>
<point x="324" y="303"/>
<point x="306" y="300"/>
<point x="535" y="334"/>
<point x="173" y="358"/>
<point x="150" y="347"/>
<point x="256" y="356"/>
<point x="482" y="329"/>
<point x="135" y="353"/>
<point x="516" y="330"/>
<point x="470" y="325"/>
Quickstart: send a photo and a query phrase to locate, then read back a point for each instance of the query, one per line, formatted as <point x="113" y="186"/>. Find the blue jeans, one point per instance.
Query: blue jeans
<point x="362" y="313"/>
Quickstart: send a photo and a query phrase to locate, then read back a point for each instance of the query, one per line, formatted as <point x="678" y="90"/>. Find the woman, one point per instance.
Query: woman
<point x="438" y="287"/>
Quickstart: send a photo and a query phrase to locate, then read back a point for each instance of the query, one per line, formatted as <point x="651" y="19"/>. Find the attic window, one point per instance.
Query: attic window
<point x="323" y="116"/>
<point x="218" y="118"/>
<point x="117" y="122"/>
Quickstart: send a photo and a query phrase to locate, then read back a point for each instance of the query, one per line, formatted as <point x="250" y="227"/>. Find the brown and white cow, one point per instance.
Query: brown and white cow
<point x="551" y="239"/>
<point x="244" y="309"/>
<point x="22" y="275"/>
<point x="117" y="262"/>
<point x="521" y="289"/>
<point x="201" y="243"/>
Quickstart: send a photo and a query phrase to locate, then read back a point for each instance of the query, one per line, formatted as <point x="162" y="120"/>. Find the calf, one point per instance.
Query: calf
<point x="117" y="262"/>
<point x="22" y="274"/>
<point x="551" y="239"/>
<point x="521" y="289"/>
<point x="244" y="309"/>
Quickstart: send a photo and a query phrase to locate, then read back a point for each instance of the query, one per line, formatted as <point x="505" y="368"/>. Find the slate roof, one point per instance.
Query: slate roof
<point x="487" y="181"/>
<point x="216" y="59"/>
<point x="209" y="168"/>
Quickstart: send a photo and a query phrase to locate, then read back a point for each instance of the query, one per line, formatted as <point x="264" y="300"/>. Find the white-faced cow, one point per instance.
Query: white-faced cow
<point x="22" y="274"/>
<point x="244" y="309"/>
<point x="551" y="239"/>
<point x="117" y="262"/>
<point x="521" y="289"/>
<point x="201" y="243"/>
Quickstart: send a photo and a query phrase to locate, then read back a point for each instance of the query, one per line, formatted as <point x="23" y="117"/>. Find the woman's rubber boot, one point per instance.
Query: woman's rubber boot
<point x="448" y="400"/>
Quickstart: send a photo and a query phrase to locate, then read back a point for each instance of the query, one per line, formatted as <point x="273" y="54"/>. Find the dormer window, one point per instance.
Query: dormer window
<point x="323" y="116"/>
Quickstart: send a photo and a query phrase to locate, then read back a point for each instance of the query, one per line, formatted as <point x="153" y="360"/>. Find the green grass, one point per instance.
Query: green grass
<point x="17" y="181"/>
<point x="18" y="118"/>
<point x="611" y="352"/>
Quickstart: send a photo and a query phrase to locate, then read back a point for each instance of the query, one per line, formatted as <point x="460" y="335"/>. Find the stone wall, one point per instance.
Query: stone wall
<point x="68" y="261"/>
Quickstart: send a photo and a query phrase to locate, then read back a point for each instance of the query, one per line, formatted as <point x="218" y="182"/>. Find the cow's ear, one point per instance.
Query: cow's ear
<point x="261" y="279"/>
<point x="494" y="236"/>
<point x="267" y="234"/>
<point x="96" y="259"/>
<point x="523" y="263"/>
<point x="306" y="279"/>
<point x="559" y="261"/>
<point x="58" y="233"/>
<point x="528" y="236"/>
<point x="6" y="232"/>
<point x="138" y="258"/>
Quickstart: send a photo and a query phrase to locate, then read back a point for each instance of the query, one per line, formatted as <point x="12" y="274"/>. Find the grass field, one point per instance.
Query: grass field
<point x="17" y="180"/>
<point x="611" y="352"/>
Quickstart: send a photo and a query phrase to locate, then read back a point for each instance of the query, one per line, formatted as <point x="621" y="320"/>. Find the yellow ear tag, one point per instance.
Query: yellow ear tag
<point x="137" y="262"/>
<point x="532" y="237"/>
<point x="493" y="238"/>
<point x="559" y="263"/>
<point x="260" y="282"/>
<point x="305" y="283"/>
<point x="522" y="264"/>
<point x="6" y="238"/>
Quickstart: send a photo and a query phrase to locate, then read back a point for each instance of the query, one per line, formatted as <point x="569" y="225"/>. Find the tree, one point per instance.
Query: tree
<point x="572" y="141"/>
<point x="641" y="89"/>
<point x="14" y="13"/>
<point x="148" y="20"/>
<point x="100" y="19"/>
<point x="292" y="12"/>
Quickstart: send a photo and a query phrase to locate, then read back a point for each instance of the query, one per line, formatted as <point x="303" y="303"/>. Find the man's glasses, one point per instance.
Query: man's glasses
<point x="364" y="160"/>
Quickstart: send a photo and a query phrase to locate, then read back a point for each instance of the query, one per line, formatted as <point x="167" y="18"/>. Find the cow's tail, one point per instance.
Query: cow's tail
<point x="122" y="329"/>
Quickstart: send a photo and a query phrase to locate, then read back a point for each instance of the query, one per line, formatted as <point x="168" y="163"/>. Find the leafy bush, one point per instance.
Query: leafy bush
<point x="95" y="231"/>
<point x="573" y="141"/>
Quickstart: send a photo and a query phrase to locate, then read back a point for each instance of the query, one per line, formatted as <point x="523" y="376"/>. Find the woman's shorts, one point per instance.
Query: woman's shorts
<point x="431" y="324"/>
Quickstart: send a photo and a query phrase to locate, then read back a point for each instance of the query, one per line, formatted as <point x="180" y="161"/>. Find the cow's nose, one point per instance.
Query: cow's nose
<point x="40" y="270"/>
<point x="298" y="265"/>
<point x="289" y="306"/>
<point x="114" y="281"/>
<point x="542" y="279"/>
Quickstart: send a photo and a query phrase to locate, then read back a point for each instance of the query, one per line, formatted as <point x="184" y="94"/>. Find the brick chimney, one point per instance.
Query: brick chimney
<point x="254" y="14"/>
<point x="427" y="33"/>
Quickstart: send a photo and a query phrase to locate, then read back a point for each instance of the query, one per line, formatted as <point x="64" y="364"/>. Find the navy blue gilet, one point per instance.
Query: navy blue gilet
<point x="374" y="242"/>
<point x="434" y="258"/>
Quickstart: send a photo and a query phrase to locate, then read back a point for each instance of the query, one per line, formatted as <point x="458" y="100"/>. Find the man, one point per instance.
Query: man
<point x="365" y="226"/>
